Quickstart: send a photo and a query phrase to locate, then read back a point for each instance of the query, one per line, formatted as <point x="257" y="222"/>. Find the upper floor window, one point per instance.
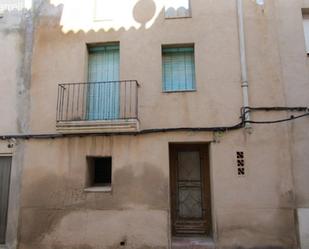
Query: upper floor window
<point x="306" y="28"/>
<point x="103" y="96"/>
<point x="178" y="68"/>
<point x="177" y="8"/>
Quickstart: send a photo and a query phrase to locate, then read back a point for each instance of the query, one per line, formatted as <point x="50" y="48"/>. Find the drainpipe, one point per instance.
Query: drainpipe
<point x="243" y="62"/>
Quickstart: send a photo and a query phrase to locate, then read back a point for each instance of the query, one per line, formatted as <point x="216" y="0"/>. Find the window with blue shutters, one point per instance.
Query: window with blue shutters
<point x="178" y="68"/>
<point x="103" y="76"/>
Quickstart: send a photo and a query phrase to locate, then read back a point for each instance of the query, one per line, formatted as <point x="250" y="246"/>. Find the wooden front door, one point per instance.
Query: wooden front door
<point x="190" y="189"/>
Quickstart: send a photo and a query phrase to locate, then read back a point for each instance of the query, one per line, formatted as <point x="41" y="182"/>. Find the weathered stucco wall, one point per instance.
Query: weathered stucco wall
<point x="255" y="211"/>
<point x="136" y="211"/>
<point x="295" y="71"/>
<point x="296" y="74"/>
<point x="14" y="106"/>
<point x="251" y="211"/>
<point x="11" y="52"/>
<point x="67" y="53"/>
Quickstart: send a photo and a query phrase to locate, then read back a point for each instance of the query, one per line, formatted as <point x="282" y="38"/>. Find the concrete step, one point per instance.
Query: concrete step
<point x="192" y="243"/>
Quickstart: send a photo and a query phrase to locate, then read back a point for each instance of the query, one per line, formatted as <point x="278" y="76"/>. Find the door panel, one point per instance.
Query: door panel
<point x="189" y="202"/>
<point x="189" y="185"/>
<point x="5" y="173"/>
<point x="104" y="97"/>
<point x="190" y="190"/>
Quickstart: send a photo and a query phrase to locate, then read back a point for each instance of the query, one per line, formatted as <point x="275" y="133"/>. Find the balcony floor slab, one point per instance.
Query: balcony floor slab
<point x="91" y="126"/>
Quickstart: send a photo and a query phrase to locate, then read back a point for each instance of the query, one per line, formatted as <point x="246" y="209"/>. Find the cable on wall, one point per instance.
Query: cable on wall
<point x="237" y="126"/>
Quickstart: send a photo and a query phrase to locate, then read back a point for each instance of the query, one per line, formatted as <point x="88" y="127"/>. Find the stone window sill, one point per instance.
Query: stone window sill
<point x="177" y="17"/>
<point x="97" y="189"/>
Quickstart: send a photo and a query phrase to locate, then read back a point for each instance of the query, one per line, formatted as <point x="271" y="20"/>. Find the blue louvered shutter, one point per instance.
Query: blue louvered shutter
<point x="178" y="69"/>
<point x="103" y="77"/>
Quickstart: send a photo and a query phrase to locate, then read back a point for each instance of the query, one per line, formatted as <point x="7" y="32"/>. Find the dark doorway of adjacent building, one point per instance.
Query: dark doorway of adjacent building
<point x="5" y="173"/>
<point x="190" y="190"/>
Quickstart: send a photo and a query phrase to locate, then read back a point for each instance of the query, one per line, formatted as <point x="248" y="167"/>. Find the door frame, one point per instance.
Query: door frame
<point x="203" y="148"/>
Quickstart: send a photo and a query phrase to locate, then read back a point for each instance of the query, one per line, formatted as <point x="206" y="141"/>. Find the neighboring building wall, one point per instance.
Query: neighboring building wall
<point x="11" y="53"/>
<point x="254" y="211"/>
<point x="16" y="49"/>
<point x="295" y="73"/>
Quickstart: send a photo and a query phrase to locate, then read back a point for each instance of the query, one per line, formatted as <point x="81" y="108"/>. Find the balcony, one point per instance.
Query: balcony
<point x="94" y="107"/>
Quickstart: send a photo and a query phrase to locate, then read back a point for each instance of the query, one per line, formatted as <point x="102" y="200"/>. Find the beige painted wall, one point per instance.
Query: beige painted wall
<point x="11" y="52"/>
<point x="295" y="71"/>
<point x="257" y="210"/>
<point x="12" y="108"/>
<point x="67" y="53"/>
<point x="250" y="211"/>
<point x="266" y="201"/>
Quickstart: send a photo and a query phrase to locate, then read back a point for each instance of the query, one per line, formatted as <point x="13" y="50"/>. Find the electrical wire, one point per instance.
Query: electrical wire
<point x="245" y="110"/>
<point x="239" y="125"/>
<point x="134" y="133"/>
<point x="278" y="108"/>
<point x="278" y="121"/>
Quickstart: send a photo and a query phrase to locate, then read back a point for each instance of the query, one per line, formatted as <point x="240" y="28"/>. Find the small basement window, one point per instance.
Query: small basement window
<point x="99" y="174"/>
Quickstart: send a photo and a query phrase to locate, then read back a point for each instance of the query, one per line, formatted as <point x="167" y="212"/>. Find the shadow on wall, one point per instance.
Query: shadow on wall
<point x="80" y="15"/>
<point x="93" y="15"/>
<point x="96" y="15"/>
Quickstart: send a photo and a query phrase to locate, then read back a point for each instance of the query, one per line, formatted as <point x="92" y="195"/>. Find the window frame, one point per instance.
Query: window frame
<point x="90" y="184"/>
<point x="170" y="46"/>
<point x="305" y="19"/>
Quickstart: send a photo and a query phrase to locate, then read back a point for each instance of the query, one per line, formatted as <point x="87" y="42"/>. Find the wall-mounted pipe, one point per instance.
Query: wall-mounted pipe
<point x="243" y="61"/>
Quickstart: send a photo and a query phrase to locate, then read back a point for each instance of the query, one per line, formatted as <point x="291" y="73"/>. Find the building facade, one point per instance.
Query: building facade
<point x="153" y="124"/>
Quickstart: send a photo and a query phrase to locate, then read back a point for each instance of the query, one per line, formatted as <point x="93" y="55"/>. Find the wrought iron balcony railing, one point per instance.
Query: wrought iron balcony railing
<point x="98" y="101"/>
